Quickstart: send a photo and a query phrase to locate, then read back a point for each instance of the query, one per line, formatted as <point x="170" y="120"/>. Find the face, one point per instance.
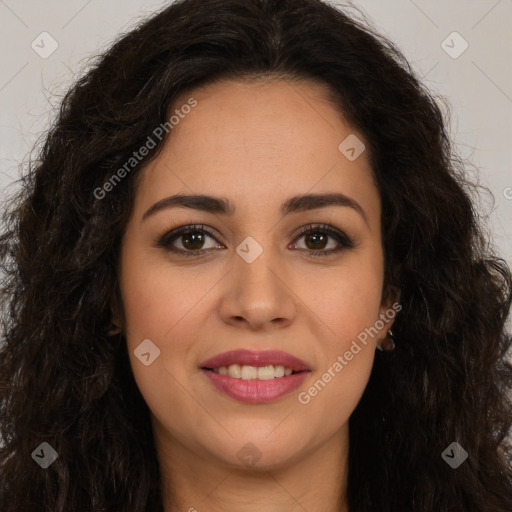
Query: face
<point x="265" y="273"/>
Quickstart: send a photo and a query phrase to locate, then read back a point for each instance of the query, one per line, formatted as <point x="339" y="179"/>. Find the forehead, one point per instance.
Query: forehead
<point x="262" y="141"/>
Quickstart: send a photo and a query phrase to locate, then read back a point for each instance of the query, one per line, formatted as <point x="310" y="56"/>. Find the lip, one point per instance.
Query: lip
<point x="255" y="358"/>
<point x="256" y="391"/>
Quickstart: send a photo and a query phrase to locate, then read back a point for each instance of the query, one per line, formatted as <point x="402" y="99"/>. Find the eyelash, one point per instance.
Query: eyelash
<point x="171" y="236"/>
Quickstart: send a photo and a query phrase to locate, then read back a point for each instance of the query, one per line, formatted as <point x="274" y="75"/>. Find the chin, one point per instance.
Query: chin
<point x="254" y="452"/>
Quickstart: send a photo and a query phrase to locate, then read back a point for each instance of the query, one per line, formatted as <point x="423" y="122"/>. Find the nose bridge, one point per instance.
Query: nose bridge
<point x="258" y="292"/>
<point x="258" y="264"/>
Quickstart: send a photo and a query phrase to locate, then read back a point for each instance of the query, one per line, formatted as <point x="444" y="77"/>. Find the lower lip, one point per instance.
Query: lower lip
<point x="256" y="391"/>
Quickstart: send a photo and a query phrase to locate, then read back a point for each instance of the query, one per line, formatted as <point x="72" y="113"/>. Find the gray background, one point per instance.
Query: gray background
<point x="477" y="84"/>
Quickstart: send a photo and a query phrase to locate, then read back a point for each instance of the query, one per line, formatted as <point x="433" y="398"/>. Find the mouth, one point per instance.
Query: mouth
<point x="238" y="359"/>
<point x="247" y="372"/>
<point x="254" y="377"/>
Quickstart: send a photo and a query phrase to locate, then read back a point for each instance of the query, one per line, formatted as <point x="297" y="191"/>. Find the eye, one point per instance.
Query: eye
<point x="316" y="240"/>
<point x="191" y="238"/>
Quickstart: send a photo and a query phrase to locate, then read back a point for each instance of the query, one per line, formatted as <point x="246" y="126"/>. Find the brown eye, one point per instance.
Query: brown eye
<point x="192" y="240"/>
<point x="317" y="240"/>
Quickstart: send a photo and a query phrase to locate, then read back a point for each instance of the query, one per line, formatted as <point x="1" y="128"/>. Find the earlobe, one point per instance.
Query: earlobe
<point x="114" y="329"/>
<point x="390" y="310"/>
<point x="115" y="310"/>
<point x="388" y="343"/>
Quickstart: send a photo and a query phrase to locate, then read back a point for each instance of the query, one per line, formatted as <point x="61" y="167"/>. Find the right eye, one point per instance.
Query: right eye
<point x="191" y="238"/>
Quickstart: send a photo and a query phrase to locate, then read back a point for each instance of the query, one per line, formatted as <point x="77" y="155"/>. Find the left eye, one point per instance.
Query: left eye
<point x="317" y="240"/>
<point x="192" y="240"/>
<point x="317" y="237"/>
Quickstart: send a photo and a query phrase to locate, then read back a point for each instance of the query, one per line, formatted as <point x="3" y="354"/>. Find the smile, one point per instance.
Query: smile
<point x="247" y="372"/>
<point x="255" y="376"/>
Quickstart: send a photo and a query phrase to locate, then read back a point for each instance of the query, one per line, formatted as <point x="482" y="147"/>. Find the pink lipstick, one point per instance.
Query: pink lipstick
<point x="255" y="376"/>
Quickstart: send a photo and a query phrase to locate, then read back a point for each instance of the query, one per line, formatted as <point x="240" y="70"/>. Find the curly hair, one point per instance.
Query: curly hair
<point x="66" y="381"/>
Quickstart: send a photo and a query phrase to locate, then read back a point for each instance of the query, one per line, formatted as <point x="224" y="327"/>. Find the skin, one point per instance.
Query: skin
<point x="257" y="145"/>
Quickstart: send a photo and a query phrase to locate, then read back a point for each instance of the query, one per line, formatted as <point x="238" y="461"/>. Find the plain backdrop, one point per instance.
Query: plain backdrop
<point x="461" y="49"/>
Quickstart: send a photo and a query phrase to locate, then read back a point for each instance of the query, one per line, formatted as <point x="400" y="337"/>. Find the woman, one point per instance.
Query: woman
<point x="246" y="273"/>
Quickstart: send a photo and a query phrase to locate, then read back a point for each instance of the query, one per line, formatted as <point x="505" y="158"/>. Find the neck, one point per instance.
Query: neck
<point x="315" y="481"/>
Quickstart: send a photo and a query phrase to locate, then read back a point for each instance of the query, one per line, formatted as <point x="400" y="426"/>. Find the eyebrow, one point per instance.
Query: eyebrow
<point x="220" y="205"/>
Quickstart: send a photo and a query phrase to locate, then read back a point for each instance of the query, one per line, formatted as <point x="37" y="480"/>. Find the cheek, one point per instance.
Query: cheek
<point x="348" y="299"/>
<point x="158" y="296"/>
<point x="167" y="305"/>
<point x="162" y="306"/>
<point x="347" y="351"/>
<point x="346" y="315"/>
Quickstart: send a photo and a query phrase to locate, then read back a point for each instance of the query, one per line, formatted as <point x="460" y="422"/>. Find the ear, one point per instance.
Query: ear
<point x="390" y="308"/>
<point x="392" y="300"/>
<point x="117" y="315"/>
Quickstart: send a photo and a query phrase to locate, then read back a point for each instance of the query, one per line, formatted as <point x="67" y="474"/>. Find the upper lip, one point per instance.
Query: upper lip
<point x="256" y="358"/>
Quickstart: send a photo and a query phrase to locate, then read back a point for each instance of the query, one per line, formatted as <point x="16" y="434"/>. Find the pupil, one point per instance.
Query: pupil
<point x="196" y="238"/>
<point x="315" y="236"/>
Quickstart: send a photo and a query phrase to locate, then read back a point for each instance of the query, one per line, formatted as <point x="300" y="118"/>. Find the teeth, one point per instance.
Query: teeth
<point x="235" y="370"/>
<point x="266" y="372"/>
<point x="247" y="372"/>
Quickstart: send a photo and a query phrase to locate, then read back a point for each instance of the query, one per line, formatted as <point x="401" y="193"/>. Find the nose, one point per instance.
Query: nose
<point x="258" y="295"/>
